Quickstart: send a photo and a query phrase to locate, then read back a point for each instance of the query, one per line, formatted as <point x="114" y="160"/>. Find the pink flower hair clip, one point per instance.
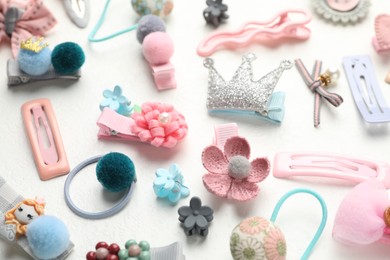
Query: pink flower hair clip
<point x="231" y="175"/>
<point x="19" y="20"/>
<point x="156" y="123"/>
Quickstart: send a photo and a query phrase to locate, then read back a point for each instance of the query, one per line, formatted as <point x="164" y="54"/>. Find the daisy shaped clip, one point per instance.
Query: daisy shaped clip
<point x="196" y="218"/>
<point x="231" y="175"/>
<point x="114" y="100"/>
<point x="169" y="184"/>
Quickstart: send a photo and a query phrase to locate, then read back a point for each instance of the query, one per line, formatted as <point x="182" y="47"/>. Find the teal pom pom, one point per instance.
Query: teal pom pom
<point x="48" y="237"/>
<point x="67" y="58"/>
<point x="33" y="63"/>
<point x="115" y="171"/>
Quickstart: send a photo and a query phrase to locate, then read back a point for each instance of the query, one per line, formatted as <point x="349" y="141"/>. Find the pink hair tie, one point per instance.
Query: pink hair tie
<point x="330" y="165"/>
<point x="231" y="175"/>
<point x="159" y="124"/>
<point x="279" y="27"/>
<point x="363" y="216"/>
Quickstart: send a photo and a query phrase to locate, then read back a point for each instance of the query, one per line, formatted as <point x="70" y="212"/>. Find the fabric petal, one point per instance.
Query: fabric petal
<point x="260" y="168"/>
<point x="214" y="160"/>
<point x="237" y="146"/>
<point x="243" y="190"/>
<point x="217" y="184"/>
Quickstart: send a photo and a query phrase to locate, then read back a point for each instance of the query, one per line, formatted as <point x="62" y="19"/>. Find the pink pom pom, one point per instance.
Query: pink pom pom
<point x="158" y="48"/>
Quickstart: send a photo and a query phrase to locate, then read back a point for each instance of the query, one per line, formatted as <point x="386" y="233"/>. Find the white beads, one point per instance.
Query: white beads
<point x="164" y="118"/>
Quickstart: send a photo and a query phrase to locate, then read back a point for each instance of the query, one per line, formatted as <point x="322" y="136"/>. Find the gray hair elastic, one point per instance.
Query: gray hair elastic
<point x="93" y="215"/>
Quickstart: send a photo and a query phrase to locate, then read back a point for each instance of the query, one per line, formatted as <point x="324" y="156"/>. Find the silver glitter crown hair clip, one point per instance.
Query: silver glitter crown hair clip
<point x="243" y="94"/>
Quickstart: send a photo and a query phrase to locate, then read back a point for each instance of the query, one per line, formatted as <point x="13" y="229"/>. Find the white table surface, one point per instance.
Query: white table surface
<point x="119" y="61"/>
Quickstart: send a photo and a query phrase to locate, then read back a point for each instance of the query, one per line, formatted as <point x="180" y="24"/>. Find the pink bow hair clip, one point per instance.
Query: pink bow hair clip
<point x="159" y="124"/>
<point x="363" y="216"/>
<point x="231" y="175"/>
<point x="19" y="20"/>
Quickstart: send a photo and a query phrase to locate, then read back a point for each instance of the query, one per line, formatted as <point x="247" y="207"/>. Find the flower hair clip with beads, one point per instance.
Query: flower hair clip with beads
<point x="156" y="123"/>
<point x="230" y="173"/>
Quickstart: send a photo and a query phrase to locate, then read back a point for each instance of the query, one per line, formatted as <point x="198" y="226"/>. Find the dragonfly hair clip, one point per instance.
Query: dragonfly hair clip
<point x="244" y="95"/>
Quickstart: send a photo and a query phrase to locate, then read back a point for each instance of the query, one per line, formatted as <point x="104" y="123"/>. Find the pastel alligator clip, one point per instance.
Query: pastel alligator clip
<point x="363" y="217"/>
<point x="36" y="62"/>
<point x="329" y="165"/>
<point x="282" y="26"/>
<point x="156" y="123"/>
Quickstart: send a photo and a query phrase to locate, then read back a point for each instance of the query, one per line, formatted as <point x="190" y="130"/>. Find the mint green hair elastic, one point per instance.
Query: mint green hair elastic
<point x="323" y="220"/>
<point x="150" y="10"/>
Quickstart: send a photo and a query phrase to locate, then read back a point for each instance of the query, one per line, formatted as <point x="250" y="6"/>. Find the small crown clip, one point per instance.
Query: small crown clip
<point x="33" y="44"/>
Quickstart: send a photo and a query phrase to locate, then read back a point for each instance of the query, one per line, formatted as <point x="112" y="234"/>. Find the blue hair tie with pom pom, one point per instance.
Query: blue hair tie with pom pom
<point x="116" y="172"/>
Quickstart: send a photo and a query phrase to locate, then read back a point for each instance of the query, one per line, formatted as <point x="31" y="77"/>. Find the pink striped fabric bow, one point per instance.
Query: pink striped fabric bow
<point x="19" y="20"/>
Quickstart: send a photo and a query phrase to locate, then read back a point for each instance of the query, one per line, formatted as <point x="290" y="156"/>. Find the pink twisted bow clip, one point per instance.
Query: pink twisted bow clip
<point x="19" y="20"/>
<point x="363" y="216"/>
<point x="231" y="175"/>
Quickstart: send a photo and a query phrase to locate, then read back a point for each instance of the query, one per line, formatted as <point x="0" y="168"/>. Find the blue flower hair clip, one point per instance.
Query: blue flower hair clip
<point x="169" y="184"/>
<point x="115" y="101"/>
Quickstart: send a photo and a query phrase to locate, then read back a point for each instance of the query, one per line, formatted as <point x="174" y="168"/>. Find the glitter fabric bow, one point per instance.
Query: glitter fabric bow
<point x="19" y="20"/>
<point x="364" y="215"/>
<point x="231" y="175"/>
